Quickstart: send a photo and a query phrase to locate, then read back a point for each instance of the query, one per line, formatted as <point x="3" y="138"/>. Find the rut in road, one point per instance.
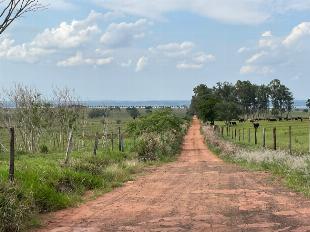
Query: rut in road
<point x="199" y="192"/>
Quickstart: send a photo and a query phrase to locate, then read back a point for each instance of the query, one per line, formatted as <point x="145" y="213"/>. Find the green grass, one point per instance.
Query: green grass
<point x="300" y="134"/>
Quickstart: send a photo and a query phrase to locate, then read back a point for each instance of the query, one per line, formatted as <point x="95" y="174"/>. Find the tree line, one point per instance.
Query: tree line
<point x="242" y="100"/>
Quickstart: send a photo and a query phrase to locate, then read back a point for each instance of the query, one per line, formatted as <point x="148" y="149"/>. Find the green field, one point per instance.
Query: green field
<point x="300" y="134"/>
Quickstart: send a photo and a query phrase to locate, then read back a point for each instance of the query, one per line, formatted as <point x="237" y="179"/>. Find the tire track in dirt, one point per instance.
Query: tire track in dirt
<point x="199" y="192"/>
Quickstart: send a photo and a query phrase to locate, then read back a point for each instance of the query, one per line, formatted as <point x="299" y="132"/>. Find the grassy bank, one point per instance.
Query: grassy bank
<point x="293" y="170"/>
<point x="43" y="183"/>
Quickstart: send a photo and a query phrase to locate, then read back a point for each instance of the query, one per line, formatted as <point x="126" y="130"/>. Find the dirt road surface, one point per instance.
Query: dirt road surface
<point x="199" y="192"/>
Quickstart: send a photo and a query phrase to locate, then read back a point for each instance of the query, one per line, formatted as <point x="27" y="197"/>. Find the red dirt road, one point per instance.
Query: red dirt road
<point x="199" y="192"/>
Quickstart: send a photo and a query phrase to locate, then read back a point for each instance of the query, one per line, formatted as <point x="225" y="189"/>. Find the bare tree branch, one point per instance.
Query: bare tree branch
<point x="10" y="10"/>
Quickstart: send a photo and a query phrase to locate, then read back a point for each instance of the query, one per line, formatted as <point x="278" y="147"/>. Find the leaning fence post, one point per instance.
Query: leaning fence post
<point x="274" y="138"/>
<point x="264" y="137"/>
<point x="290" y="139"/>
<point x="12" y="154"/>
<point x="96" y="144"/>
<point x="69" y="147"/>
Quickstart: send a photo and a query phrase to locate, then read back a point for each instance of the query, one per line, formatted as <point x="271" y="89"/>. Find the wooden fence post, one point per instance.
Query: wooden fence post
<point x="235" y="133"/>
<point x="69" y="147"/>
<point x="249" y="136"/>
<point x="119" y="140"/>
<point x="243" y="134"/>
<point x="274" y="135"/>
<point x="255" y="135"/>
<point x="239" y="135"/>
<point x="232" y="133"/>
<point x="112" y="140"/>
<point x="96" y="144"/>
<point x="227" y="131"/>
<point x="12" y="154"/>
<point x="222" y="131"/>
<point x="290" y="139"/>
<point x="264" y="137"/>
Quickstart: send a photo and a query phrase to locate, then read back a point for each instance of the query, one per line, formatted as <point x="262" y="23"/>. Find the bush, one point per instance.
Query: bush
<point x="147" y="147"/>
<point x="15" y="208"/>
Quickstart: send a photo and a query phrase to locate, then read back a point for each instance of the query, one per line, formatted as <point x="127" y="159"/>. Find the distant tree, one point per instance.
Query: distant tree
<point x="10" y="10"/>
<point x="133" y="112"/>
<point x="246" y="93"/>
<point x="203" y="103"/>
<point x="308" y="103"/>
<point x="225" y="91"/>
<point x="148" y="109"/>
<point x="227" y="111"/>
<point x="263" y="99"/>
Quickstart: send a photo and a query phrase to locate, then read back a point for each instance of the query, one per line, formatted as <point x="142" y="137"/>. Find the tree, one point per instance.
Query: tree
<point x="203" y="103"/>
<point x="10" y="10"/>
<point x="308" y="103"/>
<point x="133" y="112"/>
<point x="227" y="111"/>
<point x="246" y="93"/>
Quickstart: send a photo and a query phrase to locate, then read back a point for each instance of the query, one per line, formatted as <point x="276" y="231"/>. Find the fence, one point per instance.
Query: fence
<point x="112" y="138"/>
<point x="294" y="137"/>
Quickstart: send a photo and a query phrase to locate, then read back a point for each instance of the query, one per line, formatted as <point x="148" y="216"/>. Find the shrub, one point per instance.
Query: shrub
<point x="147" y="146"/>
<point x="15" y="208"/>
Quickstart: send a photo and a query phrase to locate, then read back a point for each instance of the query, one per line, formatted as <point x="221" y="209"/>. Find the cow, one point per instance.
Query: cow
<point x="241" y="120"/>
<point x="256" y="125"/>
<point x="233" y="123"/>
<point x="272" y="119"/>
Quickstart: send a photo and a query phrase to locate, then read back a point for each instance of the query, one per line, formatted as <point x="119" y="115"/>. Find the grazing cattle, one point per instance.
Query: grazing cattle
<point x="256" y="125"/>
<point x="272" y="119"/>
<point x="252" y="120"/>
<point x="280" y="118"/>
<point x="241" y="120"/>
<point x="233" y="123"/>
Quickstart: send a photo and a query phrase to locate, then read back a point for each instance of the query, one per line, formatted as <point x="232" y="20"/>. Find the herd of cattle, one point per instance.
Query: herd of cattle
<point x="256" y="121"/>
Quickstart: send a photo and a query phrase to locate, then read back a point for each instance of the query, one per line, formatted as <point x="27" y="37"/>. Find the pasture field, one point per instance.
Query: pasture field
<point x="300" y="134"/>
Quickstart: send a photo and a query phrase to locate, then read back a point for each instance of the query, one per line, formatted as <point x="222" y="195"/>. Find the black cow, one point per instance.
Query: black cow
<point x="256" y="125"/>
<point x="233" y="123"/>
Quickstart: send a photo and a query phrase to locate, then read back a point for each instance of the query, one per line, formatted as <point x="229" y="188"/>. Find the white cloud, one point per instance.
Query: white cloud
<point x="79" y="59"/>
<point x="142" y="62"/>
<point x="123" y="34"/>
<point x="69" y="35"/>
<point x="280" y="54"/>
<point x="236" y="11"/>
<point x="267" y="34"/>
<point x="243" y="50"/>
<point x="189" y="66"/>
<point x="174" y="49"/>
<point x="298" y="33"/>
<point x="262" y="70"/>
<point x="202" y="58"/>
<point x="21" y="52"/>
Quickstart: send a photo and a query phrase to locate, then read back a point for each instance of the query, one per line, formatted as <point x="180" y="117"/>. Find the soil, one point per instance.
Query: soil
<point x="199" y="192"/>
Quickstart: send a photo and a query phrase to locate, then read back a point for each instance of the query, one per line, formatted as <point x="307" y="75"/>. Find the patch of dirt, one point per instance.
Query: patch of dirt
<point x="199" y="192"/>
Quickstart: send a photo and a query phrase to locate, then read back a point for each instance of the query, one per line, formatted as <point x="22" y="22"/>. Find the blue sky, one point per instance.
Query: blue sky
<point x="160" y="49"/>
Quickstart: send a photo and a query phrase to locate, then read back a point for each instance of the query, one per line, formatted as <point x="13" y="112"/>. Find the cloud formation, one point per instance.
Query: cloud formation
<point x="228" y="11"/>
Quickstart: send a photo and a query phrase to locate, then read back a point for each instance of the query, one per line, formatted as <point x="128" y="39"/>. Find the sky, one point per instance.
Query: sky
<point x="159" y="49"/>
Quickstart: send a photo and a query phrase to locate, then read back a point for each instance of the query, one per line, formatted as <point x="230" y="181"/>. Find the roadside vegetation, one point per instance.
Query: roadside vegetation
<point x="46" y="179"/>
<point x="294" y="170"/>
